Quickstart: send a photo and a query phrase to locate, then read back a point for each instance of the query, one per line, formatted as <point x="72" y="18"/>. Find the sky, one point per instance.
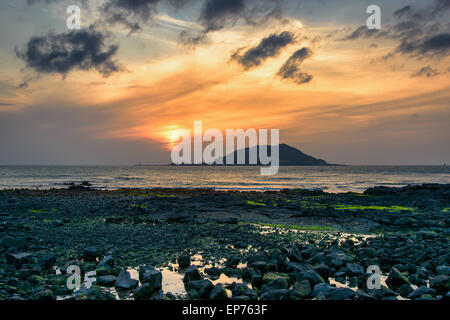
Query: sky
<point x="115" y="91"/>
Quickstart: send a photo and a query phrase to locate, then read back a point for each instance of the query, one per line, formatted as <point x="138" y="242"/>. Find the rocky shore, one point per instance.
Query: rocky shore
<point x="205" y="244"/>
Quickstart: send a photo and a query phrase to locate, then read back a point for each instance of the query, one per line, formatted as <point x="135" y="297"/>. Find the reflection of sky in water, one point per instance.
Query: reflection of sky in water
<point x="331" y="179"/>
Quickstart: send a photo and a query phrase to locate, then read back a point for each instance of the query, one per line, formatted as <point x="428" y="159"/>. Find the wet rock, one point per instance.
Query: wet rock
<point x="191" y="274"/>
<point x="354" y="269"/>
<point x="10" y="242"/>
<point x="396" y="279"/>
<point x="323" y="270"/>
<point x="151" y="276"/>
<point x="257" y="281"/>
<point x="106" y="281"/>
<point x="203" y="287"/>
<point x="242" y="290"/>
<point x="90" y="253"/>
<point x="313" y="277"/>
<point x="440" y="283"/>
<point x="124" y="281"/>
<point x="218" y="293"/>
<point x="18" y="258"/>
<point x="277" y="294"/>
<point x="322" y="289"/>
<point x="214" y="271"/>
<point x="269" y="277"/>
<point x="341" y="294"/>
<point x="295" y="254"/>
<point x="300" y="290"/>
<point x="91" y="294"/>
<point x="184" y="261"/>
<point x="44" y="294"/>
<point x="106" y="266"/>
<point x="421" y="291"/>
<point x="443" y="270"/>
<point x="362" y="295"/>
<point x="279" y="283"/>
<point x="405" y="289"/>
<point x="47" y="261"/>
<point x="260" y="265"/>
<point x="232" y="262"/>
<point x="143" y="292"/>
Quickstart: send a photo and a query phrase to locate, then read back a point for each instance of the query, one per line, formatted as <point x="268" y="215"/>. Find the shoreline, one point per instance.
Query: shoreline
<point x="289" y="244"/>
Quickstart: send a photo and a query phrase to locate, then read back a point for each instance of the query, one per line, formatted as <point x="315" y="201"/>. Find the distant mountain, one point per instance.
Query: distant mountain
<point x="289" y="156"/>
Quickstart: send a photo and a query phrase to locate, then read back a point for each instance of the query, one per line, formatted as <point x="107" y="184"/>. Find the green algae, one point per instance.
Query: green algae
<point x="253" y="203"/>
<point x="361" y="207"/>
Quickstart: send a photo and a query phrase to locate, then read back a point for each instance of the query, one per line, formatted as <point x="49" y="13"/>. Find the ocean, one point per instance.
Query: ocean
<point x="331" y="179"/>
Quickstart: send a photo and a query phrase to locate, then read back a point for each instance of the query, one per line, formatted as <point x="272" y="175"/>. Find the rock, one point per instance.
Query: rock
<point x="18" y="258"/>
<point x="279" y="283"/>
<point x="268" y="277"/>
<point x="443" y="270"/>
<point x="260" y="265"/>
<point x="362" y="295"/>
<point x="232" y="262"/>
<point x="312" y="276"/>
<point x="180" y="218"/>
<point x="124" y="281"/>
<point x="354" y="269"/>
<point x="218" y="293"/>
<point x="341" y="294"/>
<point x="143" y="292"/>
<point x="405" y="290"/>
<point x="396" y="279"/>
<point x="106" y="281"/>
<point x="44" y="294"/>
<point x="203" y="287"/>
<point x="91" y="294"/>
<point x="47" y="261"/>
<point x="295" y="254"/>
<point x="90" y="253"/>
<point x="322" y="289"/>
<point x="277" y="294"/>
<point x="257" y="281"/>
<point x="300" y="290"/>
<point x="151" y="276"/>
<point x="58" y="223"/>
<point x="421" y="291"/>
<point x="215" y="272"/>
<point x="10" y="242"/>
<point x="241" y="289"/>
<point x="191" y="274"/>
<point x="323" y="270"/>
<point x="106" y="266"/>
<point x="440" y="283"/>
<point x="184" y="261"/>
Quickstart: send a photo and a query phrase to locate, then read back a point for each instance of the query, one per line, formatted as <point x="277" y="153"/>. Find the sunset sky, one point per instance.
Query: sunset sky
<point x="116" y="90"/>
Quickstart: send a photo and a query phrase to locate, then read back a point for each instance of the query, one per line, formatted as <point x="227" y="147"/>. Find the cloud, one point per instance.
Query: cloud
<point x="268" y="47"/>
<point x="291" y="68"/>
<point x="132" y="13"/>
<point x="427" y="71"/>
<point x="437" y="45"/>
<point x="61" y="53"/>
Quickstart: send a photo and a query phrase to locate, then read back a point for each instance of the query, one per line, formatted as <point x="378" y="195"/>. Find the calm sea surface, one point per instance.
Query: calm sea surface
<point x="330" y="179"/>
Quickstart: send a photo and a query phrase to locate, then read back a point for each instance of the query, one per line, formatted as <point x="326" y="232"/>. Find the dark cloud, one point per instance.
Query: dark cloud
<point x="420" y="32"/>
<point x="291" y="68"/>
<point x="427" y="71"/>
<point x="438" y="45"/>
<point x="268" y="47"/>
<point x="132" y="13"/>
<point x="217" y="14"/>
<point x="61" y="53"/>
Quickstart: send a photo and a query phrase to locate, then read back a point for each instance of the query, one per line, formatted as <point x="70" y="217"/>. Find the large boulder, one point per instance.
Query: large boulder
<point x="191" y="274"/>
<point x="300" y="290"/>
<point x="91" y="253"/>
<point x="106" y="281"/>
<point x="277" y="294"/>
<point x="218" y="293"/>
<point x="396" y="279"/>
<point x="18" y="258"/>
<point x="341" y="294"/>
<point x="124" y="281"/>
<point x="151" y="276"/>
<point x="440" y="283"/>
<point x="202" y="287"/>
<point x="184" y="261"/>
